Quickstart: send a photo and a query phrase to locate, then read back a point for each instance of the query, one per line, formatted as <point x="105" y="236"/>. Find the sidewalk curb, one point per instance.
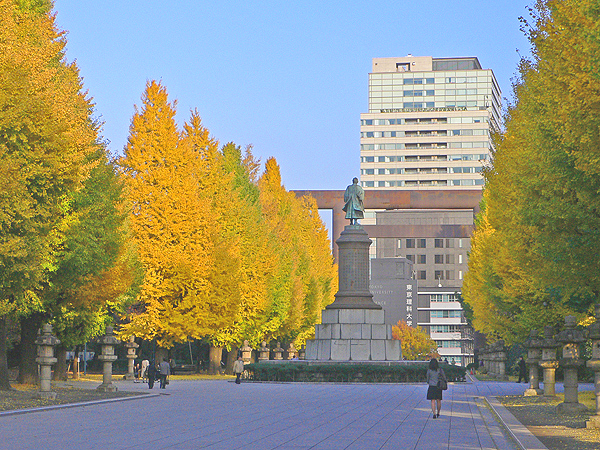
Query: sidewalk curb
<point x="519" y="432"/>
<point x="15" y="412"/>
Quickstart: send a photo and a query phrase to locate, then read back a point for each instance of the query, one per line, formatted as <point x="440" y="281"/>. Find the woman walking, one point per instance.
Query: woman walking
<point x="435" y="377"/>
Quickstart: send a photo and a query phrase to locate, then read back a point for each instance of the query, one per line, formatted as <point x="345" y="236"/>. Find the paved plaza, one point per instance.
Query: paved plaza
<point x="222" y="415"/>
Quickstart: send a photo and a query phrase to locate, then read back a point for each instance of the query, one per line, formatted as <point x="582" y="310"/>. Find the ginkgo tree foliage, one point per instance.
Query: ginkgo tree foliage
<point x="56" y="185"/>
<point x="534" y="251"/>
<point x="227" y="254"/>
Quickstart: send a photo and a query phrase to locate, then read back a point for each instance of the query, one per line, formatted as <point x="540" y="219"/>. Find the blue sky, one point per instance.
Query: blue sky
<point x="290" y="78"/>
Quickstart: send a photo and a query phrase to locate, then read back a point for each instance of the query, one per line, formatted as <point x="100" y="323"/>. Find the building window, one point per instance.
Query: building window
<point x="439" y="259"/>
<point x="439" y="243"/>
<point x="460" y="275"/>
<point x="403" y="67"/>
<point x="421" y="243"/>
<point x="410" y="243"/>
<point x="449" y="274"/>
<point x="449" y="243"/>
<point x="450" y="258"/>
<point x="443" y="298"/>
<point x="460" y="259"/>
<point x="439" y="274"/>
<point x="446" y="314"/>
<point x="399" y="243"/>
<point x="422" y="259"/>
<point x="422" y="275"/>
<point x="411" y="258"/>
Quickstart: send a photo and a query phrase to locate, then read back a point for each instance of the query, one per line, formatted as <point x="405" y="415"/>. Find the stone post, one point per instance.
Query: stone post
<point x="263" y="353"/>
<point x="570" y="338"/>
<point x="594" y="364"/>
<point x="291" y="351"/>
<point x="278" y="352"/>
<point x="502" y="360"/>
<point x="45" y="349"/>
<point x="302" y="352"/>
<point x="549" y="362"/>
<point x="246" y="353"/>
<point x="130" y="346"/>
<point x="108" y="342"/>
<point x="534" y="355"/>
<point x="353" y="271"/>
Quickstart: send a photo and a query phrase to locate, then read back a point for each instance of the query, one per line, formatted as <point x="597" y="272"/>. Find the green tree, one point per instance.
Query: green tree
<point x="46" y="135"/>
<point x="533" y="259"/>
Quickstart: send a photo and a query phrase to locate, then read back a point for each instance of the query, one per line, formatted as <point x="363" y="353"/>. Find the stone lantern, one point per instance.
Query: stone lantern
<point x="291" y="351"/>
<point x="549" y="363"/>
<point x="570" y="338"/>
<point x="45" y="349"/>
<point x="594" y="364"/>
<point x="302" y="352"/>
<point x="108" y="342"/>
<point x="246" y="353"/>
<point x="501" y="360"/>
<point x="534" y="355"/>
<point x="130" y="346"/>
<point x="263" y="353"/>
<point x="278" y="352"/>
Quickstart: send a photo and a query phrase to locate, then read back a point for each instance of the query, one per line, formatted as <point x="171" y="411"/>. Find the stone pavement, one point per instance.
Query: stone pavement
<point x="222" y="415"/>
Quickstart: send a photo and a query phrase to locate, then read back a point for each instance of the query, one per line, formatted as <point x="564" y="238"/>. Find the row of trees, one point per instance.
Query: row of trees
<point x="179" y="239"/>
<point x="227" y="254"/>
<point x="534" y="251"/>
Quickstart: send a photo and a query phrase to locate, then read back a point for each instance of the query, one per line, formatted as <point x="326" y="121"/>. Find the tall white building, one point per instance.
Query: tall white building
<point x="428" y="127"/>
<point x="429" y="123"/>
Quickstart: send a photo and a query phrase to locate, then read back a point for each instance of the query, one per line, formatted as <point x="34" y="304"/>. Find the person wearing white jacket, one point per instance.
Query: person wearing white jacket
<point x="238" y="369"/>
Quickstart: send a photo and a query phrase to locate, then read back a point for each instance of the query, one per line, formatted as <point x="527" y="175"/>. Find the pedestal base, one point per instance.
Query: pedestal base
<point x="46" y="395"/>
<point x="353" y="335"/>
<point x="128" y="376"/>
<point x="107" y="388"/>
<point x="533" y="392"/>
<point x="594" y="422"/>
<point x="570" y="408"/>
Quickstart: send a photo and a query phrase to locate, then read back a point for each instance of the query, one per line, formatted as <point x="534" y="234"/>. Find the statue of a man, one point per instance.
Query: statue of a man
<point x="354" y="197"/>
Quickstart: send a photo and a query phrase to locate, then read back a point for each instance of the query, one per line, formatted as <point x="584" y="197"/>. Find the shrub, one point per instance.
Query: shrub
<point x="348" y="373"/>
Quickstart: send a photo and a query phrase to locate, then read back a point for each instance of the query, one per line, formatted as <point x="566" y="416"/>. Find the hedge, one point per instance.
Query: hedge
<point x="347" y="373"/>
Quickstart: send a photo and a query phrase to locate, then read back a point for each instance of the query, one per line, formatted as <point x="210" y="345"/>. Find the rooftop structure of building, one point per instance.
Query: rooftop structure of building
<point x="429" y="123"/>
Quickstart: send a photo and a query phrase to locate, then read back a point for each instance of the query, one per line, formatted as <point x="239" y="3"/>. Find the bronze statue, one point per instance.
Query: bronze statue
<point x="354" y="197"/>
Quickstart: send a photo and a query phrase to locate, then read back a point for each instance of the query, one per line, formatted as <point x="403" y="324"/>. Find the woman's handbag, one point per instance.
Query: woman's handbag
<point x="442" y="381"/>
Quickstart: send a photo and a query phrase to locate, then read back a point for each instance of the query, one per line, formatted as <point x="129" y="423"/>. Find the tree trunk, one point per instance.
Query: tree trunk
<point x="4" y="379"/>
<point x="28" y="367"/>
<point x="231" y="358"/>
<point x="214" y="360"/>
<point x="60" y="368"/>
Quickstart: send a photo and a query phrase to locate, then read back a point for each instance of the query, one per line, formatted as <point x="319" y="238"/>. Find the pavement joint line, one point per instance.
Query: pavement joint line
<point x="15" y="412"/>
<point x="519" y="432"/>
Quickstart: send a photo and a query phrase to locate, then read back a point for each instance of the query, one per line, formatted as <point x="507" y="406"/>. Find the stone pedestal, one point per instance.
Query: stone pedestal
<point x="45" y="348"/>
<point x="130" y="346"/>
<point x="291" y="351"/>
<point x="263" y="353"/>
<point x="501" y="360"/>
<point x="570" y="338"/>
<point x="278" y="352"/>
<point x="353" y="272"/>
<point x="534" y="355"/>
<point x="246" y="352"/>
<point x="353" y="327"/>
<point x="594" y="364"/>
<point x="108" y="342"/>
<point x="302" y="352"/>
<point x="549" y="363"/>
